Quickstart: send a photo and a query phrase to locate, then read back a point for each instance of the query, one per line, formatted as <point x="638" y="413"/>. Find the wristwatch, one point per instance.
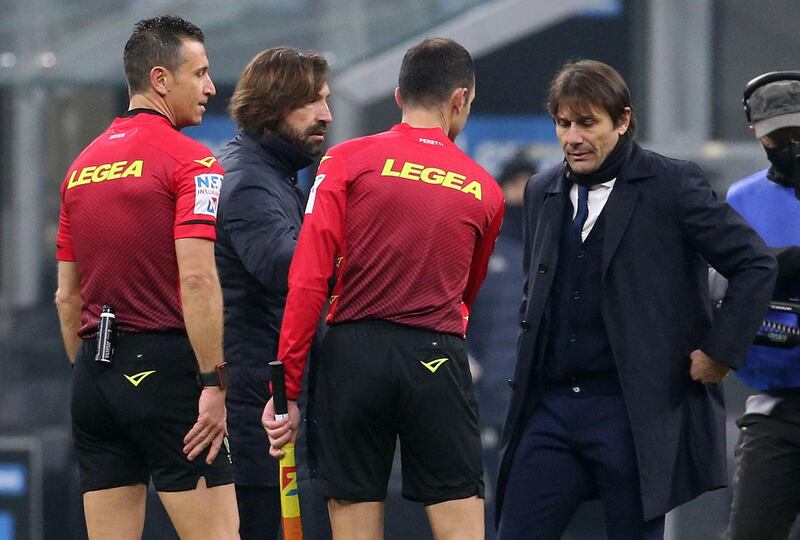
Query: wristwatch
<point x="218" y="377"/>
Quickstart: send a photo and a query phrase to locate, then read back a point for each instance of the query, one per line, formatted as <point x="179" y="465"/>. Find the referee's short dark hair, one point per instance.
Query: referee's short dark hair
<point x="156" y="42"/>
<point x="274" y="83"/>
<point x="584" y="84"/>
<point x="432" y="69"/>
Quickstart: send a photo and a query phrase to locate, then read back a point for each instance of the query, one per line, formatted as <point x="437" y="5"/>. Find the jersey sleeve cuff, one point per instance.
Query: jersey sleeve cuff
<point x="65" y="255"/>
<point x="197" y="228"/>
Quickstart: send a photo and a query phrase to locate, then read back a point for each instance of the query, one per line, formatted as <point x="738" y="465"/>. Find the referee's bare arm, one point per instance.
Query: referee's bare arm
<point x="201" y="297"/>
<point x="68" y="304"/>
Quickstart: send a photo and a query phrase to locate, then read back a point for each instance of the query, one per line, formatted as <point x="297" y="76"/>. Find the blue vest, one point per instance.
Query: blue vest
<point x="774" y="212"/>
<point x="578" y="342"/>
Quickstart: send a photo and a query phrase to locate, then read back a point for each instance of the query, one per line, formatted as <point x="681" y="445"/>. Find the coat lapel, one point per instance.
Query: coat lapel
<point x="619" y="208"/>
<point x="617" y="214"/>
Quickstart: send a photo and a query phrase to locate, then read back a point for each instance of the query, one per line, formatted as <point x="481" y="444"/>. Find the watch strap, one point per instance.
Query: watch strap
<point x="218" y="377"/>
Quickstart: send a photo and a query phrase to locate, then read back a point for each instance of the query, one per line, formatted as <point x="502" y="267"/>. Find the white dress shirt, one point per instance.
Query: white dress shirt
<point x="598" y="197"/>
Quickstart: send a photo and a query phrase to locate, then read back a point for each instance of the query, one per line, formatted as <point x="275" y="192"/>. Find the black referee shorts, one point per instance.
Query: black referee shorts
<point x="378" y="381"/>
<point x="129" y="418"/>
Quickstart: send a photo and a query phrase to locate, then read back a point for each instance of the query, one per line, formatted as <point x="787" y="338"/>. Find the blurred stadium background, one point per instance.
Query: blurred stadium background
<point x="61" y="82"/>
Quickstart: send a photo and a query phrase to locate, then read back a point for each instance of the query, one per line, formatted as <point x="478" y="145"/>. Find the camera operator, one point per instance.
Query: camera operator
<point x="766" y="497"/>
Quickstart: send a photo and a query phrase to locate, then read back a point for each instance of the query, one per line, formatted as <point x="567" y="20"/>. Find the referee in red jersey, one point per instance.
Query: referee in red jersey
<point x="136" y="241"/>
<point x="409" y="222"/>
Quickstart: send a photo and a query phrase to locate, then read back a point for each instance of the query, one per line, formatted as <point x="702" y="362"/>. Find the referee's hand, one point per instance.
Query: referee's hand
<point x="280" y="432"/>
<point x="210" y="428"/>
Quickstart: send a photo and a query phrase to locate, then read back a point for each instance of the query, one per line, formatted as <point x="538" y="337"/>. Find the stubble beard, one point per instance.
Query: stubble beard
<point x="301" y="139"/>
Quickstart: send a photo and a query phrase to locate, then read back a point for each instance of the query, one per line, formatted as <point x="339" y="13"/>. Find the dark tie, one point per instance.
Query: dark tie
<point x="583" y="210"/>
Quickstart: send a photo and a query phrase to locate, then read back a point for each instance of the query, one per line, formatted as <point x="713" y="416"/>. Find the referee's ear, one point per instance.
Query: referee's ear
<point x="398" y="98"/>
<point x="158" y="80"/>
<point x="458" y="99"/>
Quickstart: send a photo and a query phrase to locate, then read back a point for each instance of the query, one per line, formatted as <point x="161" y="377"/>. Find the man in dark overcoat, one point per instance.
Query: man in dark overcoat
<point x="616" y="393"/>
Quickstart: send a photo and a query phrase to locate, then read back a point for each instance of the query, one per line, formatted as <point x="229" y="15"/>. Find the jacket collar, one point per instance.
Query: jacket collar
<point x="280" y="153"/>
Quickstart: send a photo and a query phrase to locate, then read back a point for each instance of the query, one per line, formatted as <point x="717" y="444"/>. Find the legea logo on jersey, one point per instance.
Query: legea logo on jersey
<point x="206" y="193"/>
<point x="432" y="175"/>
<point x="106" y="171"/>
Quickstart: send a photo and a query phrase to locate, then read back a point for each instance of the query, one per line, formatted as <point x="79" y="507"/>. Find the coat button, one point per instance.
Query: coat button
<point x="542" y="269"/>
<point x="524" y="326"/>
<point x="576" y="389"/>
<point x="510" y="384"/>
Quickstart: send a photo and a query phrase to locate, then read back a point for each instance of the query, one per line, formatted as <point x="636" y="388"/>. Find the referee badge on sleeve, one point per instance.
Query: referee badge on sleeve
<point x="206" y="193"/>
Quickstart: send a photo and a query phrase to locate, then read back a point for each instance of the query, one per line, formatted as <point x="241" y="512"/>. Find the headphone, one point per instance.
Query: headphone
<point x="762" y="80"/>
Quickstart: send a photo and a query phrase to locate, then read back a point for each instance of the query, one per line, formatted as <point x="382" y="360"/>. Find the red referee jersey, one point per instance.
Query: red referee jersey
<point x="409" y="221"/>
<point x="125" y="200"/>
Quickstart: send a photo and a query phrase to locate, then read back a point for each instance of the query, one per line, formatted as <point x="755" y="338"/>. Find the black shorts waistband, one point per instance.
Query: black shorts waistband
<point x="383" y="324"/>
<point x="173" y="344"/>
<point x="151" y="333"/>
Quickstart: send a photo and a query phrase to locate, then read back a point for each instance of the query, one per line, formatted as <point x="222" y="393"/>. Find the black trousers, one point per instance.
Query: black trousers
<point x="766" y="489"/>
<point x="574" y="449"/>
<point x="259" y="512"/>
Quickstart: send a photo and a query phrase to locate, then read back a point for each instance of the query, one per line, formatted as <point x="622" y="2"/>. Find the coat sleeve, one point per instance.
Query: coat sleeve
<point x="262" y="234"/>
<point x="725" y="240"/>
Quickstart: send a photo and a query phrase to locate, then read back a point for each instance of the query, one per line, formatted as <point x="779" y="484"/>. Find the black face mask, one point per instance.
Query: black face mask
<point x="785" y="169"/>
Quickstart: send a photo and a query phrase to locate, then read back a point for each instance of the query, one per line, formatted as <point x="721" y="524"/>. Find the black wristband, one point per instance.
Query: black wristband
<point x="218" y="377"/>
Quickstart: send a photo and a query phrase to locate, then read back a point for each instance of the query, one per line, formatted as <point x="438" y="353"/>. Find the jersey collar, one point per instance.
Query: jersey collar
<point x="435" y="133"/>
<point x="142" y="110"/>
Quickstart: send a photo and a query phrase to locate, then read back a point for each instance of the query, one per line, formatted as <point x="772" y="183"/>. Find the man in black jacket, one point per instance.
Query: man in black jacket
<point x="280" y="106"/>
